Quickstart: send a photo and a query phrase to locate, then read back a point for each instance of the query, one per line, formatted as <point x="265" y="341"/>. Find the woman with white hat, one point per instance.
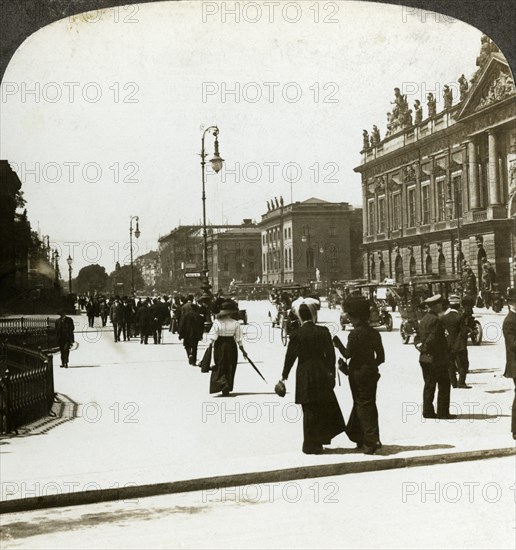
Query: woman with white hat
<point x="224" y="336"/>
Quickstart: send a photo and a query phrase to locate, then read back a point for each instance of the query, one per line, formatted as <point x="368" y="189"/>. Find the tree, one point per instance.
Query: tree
<point x="123" y="275"/>
<point x="91" y="278"/>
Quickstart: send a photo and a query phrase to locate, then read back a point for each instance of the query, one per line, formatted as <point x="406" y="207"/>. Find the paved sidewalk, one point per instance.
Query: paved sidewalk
<point x="145" y="417"/>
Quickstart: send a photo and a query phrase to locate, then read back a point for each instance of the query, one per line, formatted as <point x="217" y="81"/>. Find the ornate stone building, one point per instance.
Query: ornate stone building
<point x="308" y="241"/>
<point x="438" y="190"/>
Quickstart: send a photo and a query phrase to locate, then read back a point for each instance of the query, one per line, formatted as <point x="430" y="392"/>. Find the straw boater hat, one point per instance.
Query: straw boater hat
<point x="433" y="300"/>
<point x="228" y="308"/>
<point x="453" y="299"/>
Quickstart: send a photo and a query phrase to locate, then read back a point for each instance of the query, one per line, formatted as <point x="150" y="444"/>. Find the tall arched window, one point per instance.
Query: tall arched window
<point x="442" y="265"/>
<point x="373" y="270"/>
<point x="412" y="266"/>
<point x="382" y="270"/>
<point x="398" y="269"/>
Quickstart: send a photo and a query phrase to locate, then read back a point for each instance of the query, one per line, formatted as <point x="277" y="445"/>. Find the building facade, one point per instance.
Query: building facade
<point x="234" y="255"/>
<point x="148" y="265"/>
<point x="306" y="241"/>
<point x="438" y="191"/>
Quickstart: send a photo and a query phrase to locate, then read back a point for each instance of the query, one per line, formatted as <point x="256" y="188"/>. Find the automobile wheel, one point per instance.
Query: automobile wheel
<point x="405" y="336"/>
<point x="476" y="334"/>
<point x="388" y="323"/>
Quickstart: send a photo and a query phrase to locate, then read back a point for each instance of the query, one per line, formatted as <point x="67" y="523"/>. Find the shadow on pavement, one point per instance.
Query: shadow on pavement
<point x="84" y="366"/>
<point x="480" y="416"/>
<point x="388" y="450"/>
<point x="482" y="371"/>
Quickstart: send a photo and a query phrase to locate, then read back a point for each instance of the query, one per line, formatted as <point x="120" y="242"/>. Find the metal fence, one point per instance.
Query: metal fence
<point x="26" y="386"/>
<point x="30" y="332"/>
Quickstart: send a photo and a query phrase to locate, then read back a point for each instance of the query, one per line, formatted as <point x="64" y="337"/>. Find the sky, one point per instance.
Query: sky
<point x="103" y="113"/>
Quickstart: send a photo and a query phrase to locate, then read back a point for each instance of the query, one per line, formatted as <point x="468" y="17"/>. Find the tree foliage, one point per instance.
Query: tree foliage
<point x="90" y="278"/>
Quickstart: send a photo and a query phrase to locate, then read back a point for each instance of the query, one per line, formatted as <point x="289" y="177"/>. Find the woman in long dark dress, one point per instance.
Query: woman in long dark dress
<point x="312" y="346"/>
<point x="224" y="336"/>
<point x="365" y="352"/>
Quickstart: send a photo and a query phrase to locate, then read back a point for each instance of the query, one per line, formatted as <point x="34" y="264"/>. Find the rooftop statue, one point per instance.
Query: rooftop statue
<point x="430" y="101"/>
<point x="448" y="97"/>
<point x="418" y="108"/>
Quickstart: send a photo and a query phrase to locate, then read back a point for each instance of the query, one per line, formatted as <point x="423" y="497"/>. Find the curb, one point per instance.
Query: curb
<point x="234" y="480"/>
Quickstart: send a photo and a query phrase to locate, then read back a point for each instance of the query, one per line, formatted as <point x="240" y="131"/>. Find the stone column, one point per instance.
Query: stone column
<point x="473" y="183"/>
<point x="494" y="188"/>
<point x="365" y="210"/>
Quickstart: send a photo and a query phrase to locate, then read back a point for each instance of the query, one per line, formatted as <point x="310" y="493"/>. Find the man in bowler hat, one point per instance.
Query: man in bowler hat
<point x="509" y="334"/>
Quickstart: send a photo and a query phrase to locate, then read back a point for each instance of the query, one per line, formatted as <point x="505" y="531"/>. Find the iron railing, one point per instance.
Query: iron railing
<point x="26" y="386"/>
<point x="30" y="332"/>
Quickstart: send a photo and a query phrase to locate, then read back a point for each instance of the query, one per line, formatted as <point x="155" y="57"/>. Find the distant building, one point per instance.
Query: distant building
<point x="230" y="256"/>
<point x="148" y="264"/>
<point x="307" y="241"/>
<point x="438" y="190"/>
<point x="235" y="254"/>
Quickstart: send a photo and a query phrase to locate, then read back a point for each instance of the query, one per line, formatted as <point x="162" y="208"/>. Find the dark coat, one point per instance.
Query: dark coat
<point x="364" y="348"/>
<point x="64" y="330"/>
<point x="509" y="334"/>
<point x="315" y="376"/>
<point x="433" y="340"/>
<point x="144" y="317"/>
<point x="117" y="313"/>
<point x="457" y="333"/>
<point x="191" y="324"/>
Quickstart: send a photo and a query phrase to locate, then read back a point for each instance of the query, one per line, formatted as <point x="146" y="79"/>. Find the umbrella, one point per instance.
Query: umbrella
<point x="253" y="365"/>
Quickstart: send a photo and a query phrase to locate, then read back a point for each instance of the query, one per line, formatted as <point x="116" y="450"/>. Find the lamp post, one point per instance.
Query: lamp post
<point x="216" y="164"/>
<point x="453" y="200"/>
<point x="309" y="255"/>
<point x="69" y="261"/>
<point x="137" y="235"/>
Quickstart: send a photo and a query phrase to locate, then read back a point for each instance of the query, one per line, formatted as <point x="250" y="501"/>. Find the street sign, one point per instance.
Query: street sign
<point x="193" y="275"/>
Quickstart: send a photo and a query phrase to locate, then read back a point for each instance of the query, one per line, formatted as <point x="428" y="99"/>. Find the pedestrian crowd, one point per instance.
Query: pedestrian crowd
<point x="441" y="339"/>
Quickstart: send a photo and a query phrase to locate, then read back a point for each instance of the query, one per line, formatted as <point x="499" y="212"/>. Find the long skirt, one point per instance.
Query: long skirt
<point x="363" y="421"/>
<point x="322" y="421"/>
<point x="225" y="356"/>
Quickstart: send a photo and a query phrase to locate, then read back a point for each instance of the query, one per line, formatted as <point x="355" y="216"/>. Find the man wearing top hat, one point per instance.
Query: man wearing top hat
<point x="434" y="360"/>
<point x="509" y="334"/>
<point x="457" y="336"/>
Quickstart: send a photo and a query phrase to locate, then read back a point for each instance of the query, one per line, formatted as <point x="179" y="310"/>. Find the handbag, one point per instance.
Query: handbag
<point x="280" y="388"/>
<point x="426" y="359"/>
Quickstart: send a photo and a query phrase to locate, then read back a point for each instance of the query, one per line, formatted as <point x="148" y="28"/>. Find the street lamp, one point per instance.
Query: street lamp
<point x="216" y="164"/>
<point x="449" y="204"/>
<point x="69" y="261"/>
<point x="137" y="235"/>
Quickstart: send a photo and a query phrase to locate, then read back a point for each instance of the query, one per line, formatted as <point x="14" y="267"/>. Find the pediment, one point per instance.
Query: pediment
<point x="495" y="83"/>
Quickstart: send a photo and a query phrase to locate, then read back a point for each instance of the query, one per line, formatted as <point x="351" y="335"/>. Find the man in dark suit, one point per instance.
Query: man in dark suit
<point x="191" y="329"/>
<point x="457" y="336"/>
<point x="65" y="337"/>
<point x="434" y="360"/>
<point x="509" y="334"/>
<point x="117" y="317"/>
<point x="144" y="318"/>
<point x="312" y="346"/>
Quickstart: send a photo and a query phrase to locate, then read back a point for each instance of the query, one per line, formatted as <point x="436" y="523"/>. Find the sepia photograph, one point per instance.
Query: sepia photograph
<point x="257" y="274"/>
